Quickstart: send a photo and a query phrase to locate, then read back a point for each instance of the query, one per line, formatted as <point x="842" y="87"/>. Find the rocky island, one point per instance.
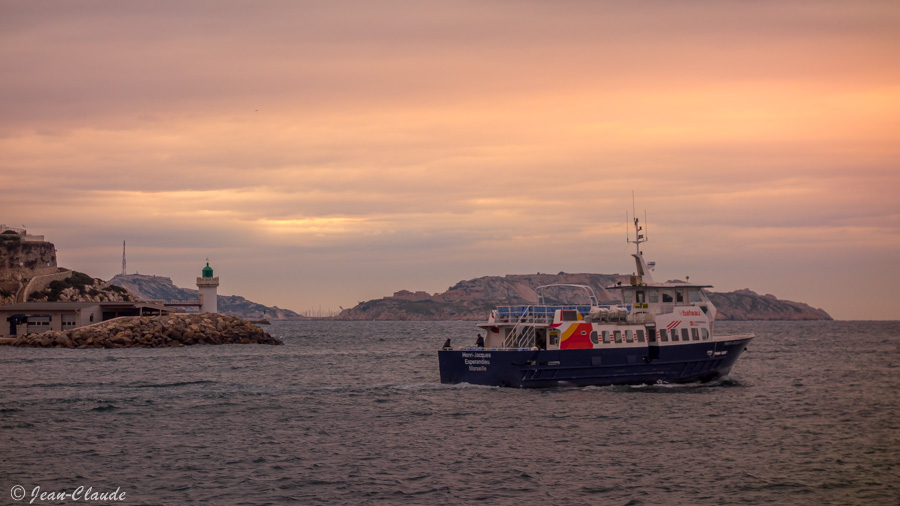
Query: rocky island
<point x="474" y="298"/>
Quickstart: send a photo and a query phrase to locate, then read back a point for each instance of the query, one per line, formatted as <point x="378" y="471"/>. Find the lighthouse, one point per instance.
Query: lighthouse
<point x="207" y="286"/>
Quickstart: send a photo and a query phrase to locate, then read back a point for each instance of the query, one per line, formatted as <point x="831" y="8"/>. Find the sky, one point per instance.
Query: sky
<point x="320" y="154"/>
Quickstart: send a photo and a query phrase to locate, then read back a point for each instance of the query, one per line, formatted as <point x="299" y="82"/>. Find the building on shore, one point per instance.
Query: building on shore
<point x="35" y="317"/>
<point x="22" y="232"/>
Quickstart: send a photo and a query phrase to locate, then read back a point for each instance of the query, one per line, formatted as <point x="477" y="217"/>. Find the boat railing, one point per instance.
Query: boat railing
<point x="534" y="314"/>
<point x="522" y="334"/>
<point x="587" y="290"/>
<point x="545" y="314"/>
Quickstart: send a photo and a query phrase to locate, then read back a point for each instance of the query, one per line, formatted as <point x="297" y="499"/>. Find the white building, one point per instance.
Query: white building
<point x="34" y="317"/>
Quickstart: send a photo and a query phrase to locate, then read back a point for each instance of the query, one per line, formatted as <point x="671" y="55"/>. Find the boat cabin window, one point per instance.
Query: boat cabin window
<point x="617" y="334"/>
<point x="679" y="295"/>
<point x="640" y="336"/>
<point x="694" y="295"/>
<point x="640" y="297"/>
<point x="653" y="295"/>
<point x="629" y="336"/>
<point x="663" y="336"/>
<point x="594" y="337"/>
<point x="626" y="296"/>
<point x="568" y="315"/>
<point x="705" y="334"/>
<point x="606" y="336"/>
<point x="695" y="334"/>
<point x="684" y="335"/>
<point x="668" y="296"/>
<point x="674" y="334"/>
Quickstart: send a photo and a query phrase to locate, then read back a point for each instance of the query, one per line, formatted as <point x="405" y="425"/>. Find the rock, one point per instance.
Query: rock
<point x="62" y="339"/>
<point x="175" y="330"/>
<point x="121" y="339"/>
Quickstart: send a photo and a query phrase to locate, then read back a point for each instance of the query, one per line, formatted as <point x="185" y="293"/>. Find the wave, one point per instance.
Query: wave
<point x="106" y="407"/>
<point x="169" y="385"/>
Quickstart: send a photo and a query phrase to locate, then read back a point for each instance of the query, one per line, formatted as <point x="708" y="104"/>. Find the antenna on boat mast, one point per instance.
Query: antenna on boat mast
<point x="647" y="226"/>
<point x="627" y="230"/>
<point x="643" y="269"/>
<point x="638" y="236"/>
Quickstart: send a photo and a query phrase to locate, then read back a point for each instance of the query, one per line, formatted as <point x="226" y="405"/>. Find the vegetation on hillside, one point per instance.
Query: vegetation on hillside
<point x="79" y="286"/>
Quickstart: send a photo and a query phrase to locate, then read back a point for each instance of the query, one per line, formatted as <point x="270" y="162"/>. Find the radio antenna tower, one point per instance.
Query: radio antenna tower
<point x="123" y="258"/>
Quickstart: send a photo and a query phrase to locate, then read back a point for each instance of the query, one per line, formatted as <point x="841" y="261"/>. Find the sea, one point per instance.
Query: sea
<point x="354" y="413"/>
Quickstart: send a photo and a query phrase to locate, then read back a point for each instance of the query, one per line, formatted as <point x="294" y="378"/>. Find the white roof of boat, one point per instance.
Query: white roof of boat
<point x="668" y="284"/>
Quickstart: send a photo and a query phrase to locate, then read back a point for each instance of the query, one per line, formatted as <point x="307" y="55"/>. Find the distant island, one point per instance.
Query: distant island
<point x="147" y="287"/>
<point x="475" y="298"/>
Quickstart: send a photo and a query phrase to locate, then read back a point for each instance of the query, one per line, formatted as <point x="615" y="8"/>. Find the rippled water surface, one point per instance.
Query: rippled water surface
<point x="353" y="412"/>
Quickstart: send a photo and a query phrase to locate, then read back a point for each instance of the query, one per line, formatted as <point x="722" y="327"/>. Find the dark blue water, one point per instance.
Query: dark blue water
<point x="353" y="412"/>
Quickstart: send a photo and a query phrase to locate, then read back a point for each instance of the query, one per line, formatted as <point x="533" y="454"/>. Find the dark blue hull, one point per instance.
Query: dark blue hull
<point x="683" y="363"/>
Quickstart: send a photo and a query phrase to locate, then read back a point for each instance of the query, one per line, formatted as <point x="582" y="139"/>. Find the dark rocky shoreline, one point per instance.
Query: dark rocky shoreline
<point x="173" y="330"/>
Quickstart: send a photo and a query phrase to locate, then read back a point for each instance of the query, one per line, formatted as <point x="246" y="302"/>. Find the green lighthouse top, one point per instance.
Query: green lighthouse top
<point x="207" y="271"/>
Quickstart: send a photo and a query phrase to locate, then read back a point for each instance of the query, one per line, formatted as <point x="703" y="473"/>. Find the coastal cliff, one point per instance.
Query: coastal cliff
<point x="29" y="273"/>
<point x="22" y="258"/>
<point x="473" y="300"/>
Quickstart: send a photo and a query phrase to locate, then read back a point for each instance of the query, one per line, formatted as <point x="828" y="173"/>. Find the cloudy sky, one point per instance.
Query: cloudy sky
<point x="324" y="153"/>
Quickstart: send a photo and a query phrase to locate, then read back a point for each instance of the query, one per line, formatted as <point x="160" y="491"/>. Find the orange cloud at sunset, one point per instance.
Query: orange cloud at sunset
<point x="374" y="146"/>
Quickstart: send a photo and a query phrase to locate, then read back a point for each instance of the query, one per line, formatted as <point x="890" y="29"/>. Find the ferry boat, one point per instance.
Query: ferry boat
<point x="659" y="333"/>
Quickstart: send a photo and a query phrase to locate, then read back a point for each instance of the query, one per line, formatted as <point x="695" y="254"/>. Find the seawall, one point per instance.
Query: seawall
<point x="173" y="330"/>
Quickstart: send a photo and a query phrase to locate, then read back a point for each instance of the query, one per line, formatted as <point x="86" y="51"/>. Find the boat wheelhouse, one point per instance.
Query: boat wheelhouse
<point x="656" y="332"/>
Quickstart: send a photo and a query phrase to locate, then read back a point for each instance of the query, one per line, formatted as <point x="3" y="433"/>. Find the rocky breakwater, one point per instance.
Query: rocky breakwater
<point x="173" y="330"/>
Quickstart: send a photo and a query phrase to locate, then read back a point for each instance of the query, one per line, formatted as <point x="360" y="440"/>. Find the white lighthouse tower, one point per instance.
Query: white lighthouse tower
<point x="207" y="286"/>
